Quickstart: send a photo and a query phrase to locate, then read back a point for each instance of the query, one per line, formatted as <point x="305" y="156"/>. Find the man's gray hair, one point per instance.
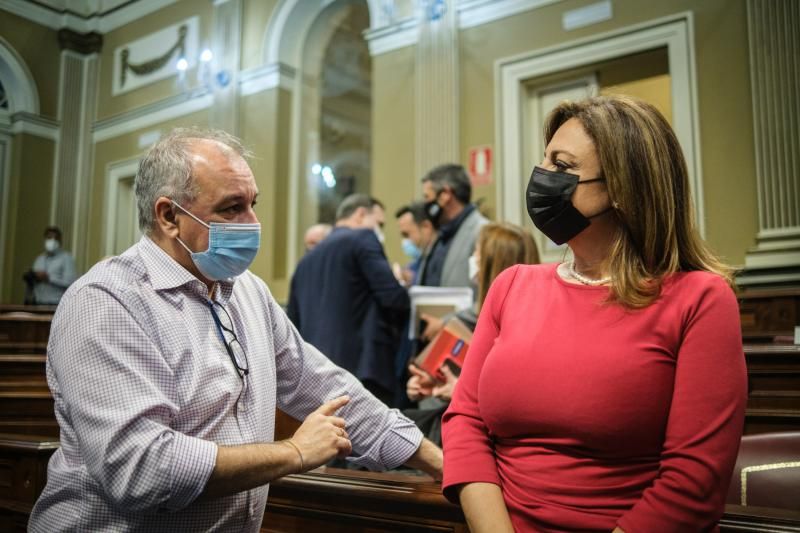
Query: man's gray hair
<point x="453" y="176"/>
<point x="166" y="170"/>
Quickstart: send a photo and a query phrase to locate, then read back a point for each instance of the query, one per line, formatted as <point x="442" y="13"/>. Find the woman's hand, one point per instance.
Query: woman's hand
<point x="420" y="384"/>
<point x="433" y="326"/>
<point x="444" y="391"/>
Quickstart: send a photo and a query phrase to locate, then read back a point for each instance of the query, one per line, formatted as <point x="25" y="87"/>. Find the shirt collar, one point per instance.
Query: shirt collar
<point x="165" y="273"/>
<point x="449" y="229"/>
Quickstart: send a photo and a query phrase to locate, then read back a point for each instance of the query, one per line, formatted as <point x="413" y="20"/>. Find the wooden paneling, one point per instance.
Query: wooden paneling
<point x="773" y="403"/>
<point x="769" y="313"/>
<point x="24" y="327"/>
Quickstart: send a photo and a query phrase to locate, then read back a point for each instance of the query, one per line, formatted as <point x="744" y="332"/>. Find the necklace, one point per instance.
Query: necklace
<point x="583" y="279"/>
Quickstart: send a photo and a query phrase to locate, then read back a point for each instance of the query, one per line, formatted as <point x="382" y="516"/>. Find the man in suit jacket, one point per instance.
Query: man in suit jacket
<point x="345" y="300"/>
<point x="448" y="192"/>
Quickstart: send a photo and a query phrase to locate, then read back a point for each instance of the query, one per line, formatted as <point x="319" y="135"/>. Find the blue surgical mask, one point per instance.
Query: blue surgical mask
<point x="411" y="249"/>
<point x="231" y="248"/>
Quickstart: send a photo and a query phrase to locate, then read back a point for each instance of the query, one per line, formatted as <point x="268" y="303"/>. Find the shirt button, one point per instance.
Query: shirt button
<point x="242" y="407"/>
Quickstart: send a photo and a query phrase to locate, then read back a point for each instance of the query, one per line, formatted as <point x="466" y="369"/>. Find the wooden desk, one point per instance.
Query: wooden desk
<point x="337" y="500"/>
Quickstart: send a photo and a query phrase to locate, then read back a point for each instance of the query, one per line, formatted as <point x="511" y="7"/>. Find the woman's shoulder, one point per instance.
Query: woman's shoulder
<point x="526" y="273"/>
<point x="699" y="285"/>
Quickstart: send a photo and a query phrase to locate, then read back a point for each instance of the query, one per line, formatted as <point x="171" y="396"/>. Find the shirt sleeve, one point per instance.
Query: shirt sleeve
<point x="468" y="449"/>
<point x="705" y="422"/>
<point x="111" y="383"/>
<point x="382" y="438"/>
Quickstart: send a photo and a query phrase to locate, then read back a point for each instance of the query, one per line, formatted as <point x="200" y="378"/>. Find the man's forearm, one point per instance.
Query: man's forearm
<point x="427" y="458"/>
<point x="244" y="467"/>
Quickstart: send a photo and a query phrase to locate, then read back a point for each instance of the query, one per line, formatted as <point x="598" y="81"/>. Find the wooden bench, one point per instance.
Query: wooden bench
<point x="24" y="327"/>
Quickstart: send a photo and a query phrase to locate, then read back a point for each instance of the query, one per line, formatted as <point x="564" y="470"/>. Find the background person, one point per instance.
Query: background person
<point x="53" y="270"/>
<point x="418" y="236"/>
<point x="447" y="193"/>
<point x="500" y="245"/>
<point x="345" y="300"/>
<point x="314" y="235"/>
<point x="612" y="387"/>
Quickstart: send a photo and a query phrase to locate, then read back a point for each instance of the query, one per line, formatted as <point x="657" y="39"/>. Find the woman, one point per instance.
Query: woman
<point x="608" y="392"/>
<point x="499" y="246"/>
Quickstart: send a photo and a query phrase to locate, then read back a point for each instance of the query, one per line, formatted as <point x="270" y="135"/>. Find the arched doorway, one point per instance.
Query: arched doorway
<point x="322" y="43"/>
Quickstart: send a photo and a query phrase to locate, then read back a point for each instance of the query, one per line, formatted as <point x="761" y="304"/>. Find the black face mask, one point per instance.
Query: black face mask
<point x="434" y="211"/>
<point x="549" y="203"/>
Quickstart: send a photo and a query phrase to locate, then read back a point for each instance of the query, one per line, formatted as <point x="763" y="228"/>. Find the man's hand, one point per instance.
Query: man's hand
<point x="41" y="275"/>
<point x="444" y="391"/>
<point x="322" y="436"/>
<point x="420" y="384"/>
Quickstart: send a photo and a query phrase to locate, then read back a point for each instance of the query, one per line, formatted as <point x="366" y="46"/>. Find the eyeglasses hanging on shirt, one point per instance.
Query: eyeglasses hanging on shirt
<point x="232" y="345"/>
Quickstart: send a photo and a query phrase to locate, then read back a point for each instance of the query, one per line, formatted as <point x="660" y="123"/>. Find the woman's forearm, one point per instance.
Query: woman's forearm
<point x="485" y="508"/>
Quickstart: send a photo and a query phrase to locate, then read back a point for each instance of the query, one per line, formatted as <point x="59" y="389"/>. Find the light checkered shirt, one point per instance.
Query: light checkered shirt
<point x="145" y="391"/>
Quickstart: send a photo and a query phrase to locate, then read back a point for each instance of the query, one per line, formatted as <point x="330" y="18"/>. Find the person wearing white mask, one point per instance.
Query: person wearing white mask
<point x="167" y="364"/>
<point x="53" y="270"/>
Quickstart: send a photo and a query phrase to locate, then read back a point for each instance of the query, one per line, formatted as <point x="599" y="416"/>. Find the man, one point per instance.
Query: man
<point x="53" y="271"/>
<point x="167" y="362"/>
<point x="314" y="235"/>
<point x="448" y="192"/>
<point x="345" y="300"/>
<point x="418" y="235"/>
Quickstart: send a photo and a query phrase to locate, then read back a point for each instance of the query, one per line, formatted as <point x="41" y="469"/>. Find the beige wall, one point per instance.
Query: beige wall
<point x="255" y="17"/>
<point x="30" y="189"/>
<point x="393" y="177"/>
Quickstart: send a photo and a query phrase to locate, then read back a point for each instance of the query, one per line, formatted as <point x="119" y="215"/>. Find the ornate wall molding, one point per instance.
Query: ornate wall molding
<point x="81" y="43"/>
<point x="396" y="34"/>
<point x="154" y="57"/>
<point x="98" y="20"/>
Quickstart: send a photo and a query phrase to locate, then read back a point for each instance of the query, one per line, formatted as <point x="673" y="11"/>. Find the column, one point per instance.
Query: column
<point x="437" y="86"/>
<point x="74" y="153"/>
<point x="775" y="75"/>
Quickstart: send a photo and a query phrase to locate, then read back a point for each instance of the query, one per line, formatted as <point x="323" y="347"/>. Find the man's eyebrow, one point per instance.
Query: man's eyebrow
<point x="235" y="198"/>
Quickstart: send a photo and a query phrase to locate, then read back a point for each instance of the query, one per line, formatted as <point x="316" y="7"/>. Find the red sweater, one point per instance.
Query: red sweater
<point x="590" y="416"/>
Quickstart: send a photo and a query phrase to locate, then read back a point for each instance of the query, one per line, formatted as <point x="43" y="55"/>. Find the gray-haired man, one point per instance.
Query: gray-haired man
<point x="167" y="363"/>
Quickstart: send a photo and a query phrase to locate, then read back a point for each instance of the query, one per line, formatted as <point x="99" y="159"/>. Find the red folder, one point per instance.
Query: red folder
<point x="448" y="347"/>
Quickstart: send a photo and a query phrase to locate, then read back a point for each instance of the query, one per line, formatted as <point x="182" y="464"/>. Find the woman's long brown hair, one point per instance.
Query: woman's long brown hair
<point x="648" y="186"/>
<point x="502" y="245"/>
